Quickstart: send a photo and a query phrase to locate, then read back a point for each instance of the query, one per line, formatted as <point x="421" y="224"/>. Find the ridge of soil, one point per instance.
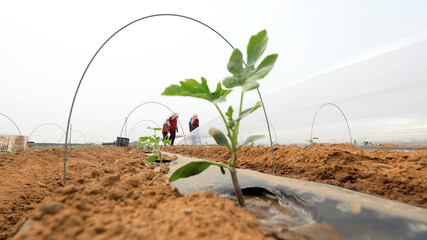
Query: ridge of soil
<point x="109" y="198"/>
<point x="395" y="175"/>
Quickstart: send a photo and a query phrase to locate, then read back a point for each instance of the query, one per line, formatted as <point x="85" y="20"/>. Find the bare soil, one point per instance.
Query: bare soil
<point x="395" y="175"/>
<point x="107" y="198"/>
<point x="110" y="198"/>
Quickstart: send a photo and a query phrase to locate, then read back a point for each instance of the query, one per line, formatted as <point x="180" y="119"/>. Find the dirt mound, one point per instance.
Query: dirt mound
<point x="107" y="197"/>
<point x="395" y="175"/>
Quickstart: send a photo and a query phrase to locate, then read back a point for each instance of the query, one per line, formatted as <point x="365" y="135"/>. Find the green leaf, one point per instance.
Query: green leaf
<point x="152" y="158"/>
<point x="256" y="47"/>
<point x="252" y="139"/>
<point x="248" y="111"/>
<point x="219" y="137"/>
<point x="231" y="82"/>
<point x="167" y="141"/>
<point x="229" y="113"/>
<point x="235" y="64"/>
<point x="157" y="129"/>
<point x="247" y="77"/>
<point x="192" y="168"/>
<point x="192" y="88"/>
<point x="264" y="68"/>
<point x="143" y="139"/>
<point x="250" y="85"/>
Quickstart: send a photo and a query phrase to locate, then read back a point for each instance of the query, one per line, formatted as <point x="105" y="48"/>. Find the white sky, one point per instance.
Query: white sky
<point x="46" y="46"/>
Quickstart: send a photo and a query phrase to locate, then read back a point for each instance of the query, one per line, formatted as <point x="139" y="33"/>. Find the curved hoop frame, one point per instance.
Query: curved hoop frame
<point x="260" y="120"/>
<point x="126" y="119"/>
<point x="348" y="127"/>
<point x="43" y="124"/>
<point x="20" y="134"/>
<point x="144" y="120"/>
<point x="81" y="135"/>
<point x="99" y="49"/>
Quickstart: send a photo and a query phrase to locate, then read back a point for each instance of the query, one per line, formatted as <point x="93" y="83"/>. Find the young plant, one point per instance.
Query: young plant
<point x="243" y="76"/>
<point x="311" y="141"/>
<point x="153" y="144"/>
<point x="367" y="143"/>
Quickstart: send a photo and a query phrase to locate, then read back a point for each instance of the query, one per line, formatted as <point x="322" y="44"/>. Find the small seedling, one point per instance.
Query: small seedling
<point x="152" y="143"/>
<point x="355" y="143"/>
<point x="311" y="141"/>
<point x="243" y="76"/>
<point x="367" y="143"/>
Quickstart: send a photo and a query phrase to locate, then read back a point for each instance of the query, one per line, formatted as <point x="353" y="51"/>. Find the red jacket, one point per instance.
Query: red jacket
<point x="173" y="123"/>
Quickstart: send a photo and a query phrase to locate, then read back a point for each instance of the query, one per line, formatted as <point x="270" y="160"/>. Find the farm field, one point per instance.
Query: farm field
<point x="124" y="199"/>
<point x="394" y="175"/>
<point x="105" y="199"/>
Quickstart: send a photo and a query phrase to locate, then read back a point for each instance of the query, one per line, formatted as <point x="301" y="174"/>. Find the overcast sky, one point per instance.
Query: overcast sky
<point x="46" y="46"/>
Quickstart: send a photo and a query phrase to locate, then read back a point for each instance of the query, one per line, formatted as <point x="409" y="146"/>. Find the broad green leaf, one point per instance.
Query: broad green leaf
<point x="167" y="141"/>
<point x="143" y="139"/>
<point x="248" y="111"/>
<point x="192" y="88"/>
<point x="219" y="137"/>
<point x="256" y="47"/>
<point x="231" y="82"/>
<point x="264" y="68"/>
<point x="235" y="65"/>
<point x="152" y="158"/>
<point x="157" y="129"/>
<point x="250" y="85"/>
<point x="252" y="139"/>
<point x="192" y="168"/>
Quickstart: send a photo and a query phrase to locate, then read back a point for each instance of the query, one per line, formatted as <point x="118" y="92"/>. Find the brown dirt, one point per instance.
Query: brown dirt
<point x="395" y="175"/>
<point x="123" y="199"/>
<point x="106" y="198"/>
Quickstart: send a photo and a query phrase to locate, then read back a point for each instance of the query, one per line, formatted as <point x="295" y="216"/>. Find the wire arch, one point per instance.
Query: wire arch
<point x="260" y="120"/>
<point x="144" y="120"/>
<point x="43" y="124"/>
<point x="132" y="136"/>
<point x="20" y="134"/>
<point x="125" y="26"/>
<point x="315" y="115"/>
<point x="126" y="119"/>
<point x="81" y="135"/>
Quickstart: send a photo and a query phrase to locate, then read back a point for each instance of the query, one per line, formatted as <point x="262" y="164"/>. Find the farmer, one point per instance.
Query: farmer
<point x="173" y="128"/>
<point x="165" y="130"/>
<point x="194" y="122"/>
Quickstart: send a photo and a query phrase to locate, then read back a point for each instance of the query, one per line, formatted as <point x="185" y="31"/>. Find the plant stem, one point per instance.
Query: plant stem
<point x="238" y="191"/>
<point x="225" y="122"/>
<point x="236" y="131"/>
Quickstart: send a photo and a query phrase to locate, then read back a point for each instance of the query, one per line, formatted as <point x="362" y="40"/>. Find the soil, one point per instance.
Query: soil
<point x="395" y="175"/>
<point x="107" y="197"/>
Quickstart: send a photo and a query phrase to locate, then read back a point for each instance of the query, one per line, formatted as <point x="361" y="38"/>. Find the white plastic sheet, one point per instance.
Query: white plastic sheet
<point x="383" y="94"/>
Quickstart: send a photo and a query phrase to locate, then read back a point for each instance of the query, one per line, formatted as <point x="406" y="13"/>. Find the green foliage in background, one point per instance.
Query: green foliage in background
<point x="152" y="143"/>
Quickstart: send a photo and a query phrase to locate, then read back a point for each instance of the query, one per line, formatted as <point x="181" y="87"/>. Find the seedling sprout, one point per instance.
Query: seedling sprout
<point x="243" y="76"/>
<point x="153" y="144"/>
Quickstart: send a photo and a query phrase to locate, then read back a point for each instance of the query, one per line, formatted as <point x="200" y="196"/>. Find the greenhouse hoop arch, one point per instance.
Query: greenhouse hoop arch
<point x="81" y="135"/>
<point x="315" y="115"/>
<point x="134" y="135"/>
<point x="129" y="134"/>
<point x="20" y="134"/>
<point x="43" y="124"/>
<point x="260" y="120"/>
<point x="125" y="26"/>
<point x="126" y="119"/>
